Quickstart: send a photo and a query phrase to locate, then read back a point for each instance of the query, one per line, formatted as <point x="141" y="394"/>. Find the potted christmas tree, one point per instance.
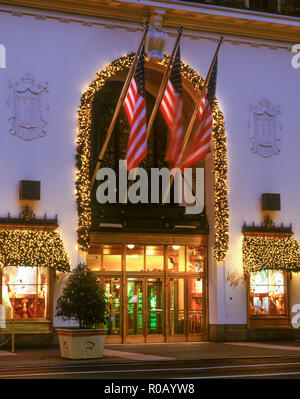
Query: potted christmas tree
<point x="82" y="301"/>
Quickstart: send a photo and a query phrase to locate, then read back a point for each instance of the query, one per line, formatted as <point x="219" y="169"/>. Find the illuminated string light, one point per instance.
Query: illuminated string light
<point x="83" y="195"/>
<point x="282" y="253"/>
<point x="33" y="248"/>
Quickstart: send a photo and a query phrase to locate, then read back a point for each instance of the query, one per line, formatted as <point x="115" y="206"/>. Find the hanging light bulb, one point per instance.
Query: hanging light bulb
<point x="176" y="247"/>
<point x="130" y="246"/>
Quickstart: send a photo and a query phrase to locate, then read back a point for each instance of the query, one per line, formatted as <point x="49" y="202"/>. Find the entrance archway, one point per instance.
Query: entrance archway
<point x="147" y="303"/>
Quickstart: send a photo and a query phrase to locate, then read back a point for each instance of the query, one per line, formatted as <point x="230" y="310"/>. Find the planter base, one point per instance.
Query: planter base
<point x="81" y="343"/>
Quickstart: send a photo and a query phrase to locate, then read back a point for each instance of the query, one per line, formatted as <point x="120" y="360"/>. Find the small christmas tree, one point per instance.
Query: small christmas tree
<point x="82" y="299"/>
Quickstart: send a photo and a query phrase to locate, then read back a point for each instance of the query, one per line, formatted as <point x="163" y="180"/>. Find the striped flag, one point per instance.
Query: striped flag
<point x="135" y="107"/>
<point x="171" y="107"/>
<point x="201" y="142"/>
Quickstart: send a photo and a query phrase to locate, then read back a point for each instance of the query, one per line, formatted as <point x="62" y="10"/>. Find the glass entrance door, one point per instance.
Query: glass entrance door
<point x="154" y="310"/>
<point x="186" y="310"/>
<point x="112" y="292"/>
<point x="135" y="308"/>
<point x="145" y="319"/>
<point x="196" y="309"/>
<point x="177" y="329"/>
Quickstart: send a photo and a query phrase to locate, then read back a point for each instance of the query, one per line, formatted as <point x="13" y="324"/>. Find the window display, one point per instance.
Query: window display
<point x="267" y="293"/>
<point x="25" y="291"/>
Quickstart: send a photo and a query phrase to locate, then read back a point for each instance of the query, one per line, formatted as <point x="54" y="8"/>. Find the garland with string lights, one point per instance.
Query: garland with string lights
<point x="33" y="248"/>
<point x="83" y="197"/>
<point x="270" y="253"/>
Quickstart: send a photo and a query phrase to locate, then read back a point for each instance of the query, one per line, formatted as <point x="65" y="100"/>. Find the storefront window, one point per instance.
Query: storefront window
<point x="176" y="258"/>
<point x="267" y="293"/>
<point x="25" y="292"/>
<point x="112" y="257"/>
<point x="135" y="258"/>
<point x="195" y="259"/>
<point x="94" y="262"/>
<point x="154" y="258"/>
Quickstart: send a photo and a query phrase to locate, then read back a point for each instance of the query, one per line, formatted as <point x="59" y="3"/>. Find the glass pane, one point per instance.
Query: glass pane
<point x="135" y="306"/>
<point x="154" y="258"/>
<point x="267" y="293"/>
<point x="176" y="303"/>
<point x="41" y="311"/>
<point x="155" y="306"/>
<point x="135" y="258"/>
<point x="196" y="302"/>
<point x="112" y="288"/>
<point x="112" y="257"/>
<point x="25" y="291"/>
<point x="176" y="258"/>
<point x="195" y="259"/>
<point x="93" y="262"/>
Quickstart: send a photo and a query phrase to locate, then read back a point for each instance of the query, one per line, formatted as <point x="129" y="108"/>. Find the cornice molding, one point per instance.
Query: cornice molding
<point x="192" y="16"/>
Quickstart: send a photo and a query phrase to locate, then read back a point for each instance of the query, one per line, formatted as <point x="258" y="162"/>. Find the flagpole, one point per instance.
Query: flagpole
<point x="118" y="107"/>
<point x="196" y="109"/>
<point x="163" y="84"/>
<point x="162" y="89"/>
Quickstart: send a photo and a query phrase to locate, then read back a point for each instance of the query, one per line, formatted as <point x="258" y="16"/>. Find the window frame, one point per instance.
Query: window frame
<point x="269" y="320"/>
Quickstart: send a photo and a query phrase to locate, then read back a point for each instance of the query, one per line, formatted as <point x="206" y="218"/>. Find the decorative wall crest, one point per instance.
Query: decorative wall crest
<point x="264" y="129"/>
<point x="28" y="108"/>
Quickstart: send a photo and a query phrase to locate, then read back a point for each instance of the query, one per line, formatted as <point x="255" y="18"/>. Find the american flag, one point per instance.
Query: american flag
<point x="201" y="142"/>
<point x="171" y="107"/>
<point x="135" y="107"/>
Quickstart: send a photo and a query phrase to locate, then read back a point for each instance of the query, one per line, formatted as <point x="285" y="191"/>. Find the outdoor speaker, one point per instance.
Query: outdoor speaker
<point x="270" y="202"/>
<point x="29" y="190"/>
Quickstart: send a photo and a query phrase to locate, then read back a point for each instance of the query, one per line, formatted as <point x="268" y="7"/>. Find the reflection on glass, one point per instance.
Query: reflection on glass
<point x="135" y="306"/>
<point x="24" y="292"/>
<point x="196" y="313"/>
<point x="155" y="306"/>
<point x="176" y="258"/>
<point x="112" y="289"/>
<point x="135" y="258"/>
<point x="112" y="257"/>
<point x="176" y="311"/>
<point x="267" y="293"/>
<point x="154" y="258"/>
<point x="195" y="259"/>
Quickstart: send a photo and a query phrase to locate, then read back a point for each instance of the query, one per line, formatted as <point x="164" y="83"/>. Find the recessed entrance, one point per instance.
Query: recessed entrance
<point x="156" y="293"/>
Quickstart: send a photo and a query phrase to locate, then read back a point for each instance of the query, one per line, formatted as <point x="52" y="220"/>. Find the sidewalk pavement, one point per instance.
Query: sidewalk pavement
<point x="154" y="352"/>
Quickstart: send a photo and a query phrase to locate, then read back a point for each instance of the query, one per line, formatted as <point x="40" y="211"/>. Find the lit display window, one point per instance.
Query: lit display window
<point x="195" y="260"/>
<point x="112" y="257"/>
<point x="268" y="293"/>
<point x="135" y="258"/>
<point x="154" y="258"/>
<point x="176" y="258"/>
<point x="25" y="292"/>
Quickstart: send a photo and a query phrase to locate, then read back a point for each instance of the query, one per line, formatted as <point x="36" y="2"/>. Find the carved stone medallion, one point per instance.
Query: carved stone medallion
<point x="264" y="129"/>
<point x="28" y="108"/>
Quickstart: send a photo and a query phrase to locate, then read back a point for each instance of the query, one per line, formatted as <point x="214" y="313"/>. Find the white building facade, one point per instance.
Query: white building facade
<point x="163" y="283"/>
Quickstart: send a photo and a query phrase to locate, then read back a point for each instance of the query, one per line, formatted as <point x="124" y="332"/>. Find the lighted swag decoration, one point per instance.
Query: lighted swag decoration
<point x="83" y="157"/>
<point x="33" y="248"/>
<point x="271" y="253"/>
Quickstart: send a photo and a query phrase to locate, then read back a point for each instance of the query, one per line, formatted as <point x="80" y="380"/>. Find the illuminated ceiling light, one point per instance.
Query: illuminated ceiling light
<point x="150" y="252"/>
<point x="130" y="246"/>
<point x="176" y="247"/>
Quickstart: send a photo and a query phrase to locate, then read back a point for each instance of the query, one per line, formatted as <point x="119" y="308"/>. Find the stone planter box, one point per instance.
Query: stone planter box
<point x="77" y="343"/>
